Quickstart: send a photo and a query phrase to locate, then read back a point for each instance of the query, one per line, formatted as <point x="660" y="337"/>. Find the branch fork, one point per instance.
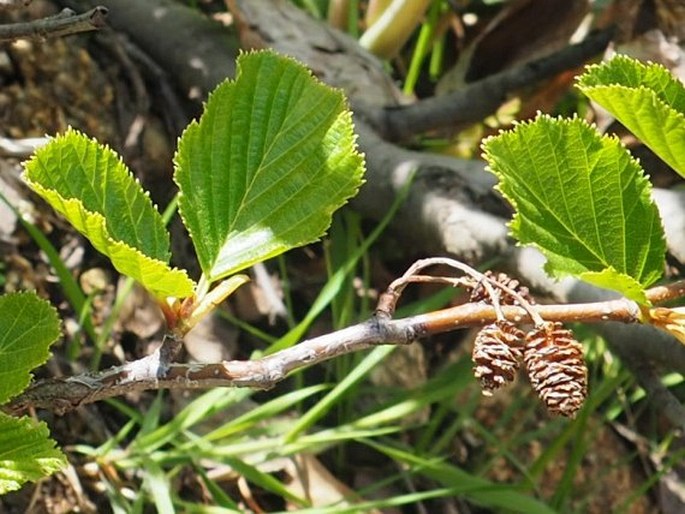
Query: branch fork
<point x="548" y="350"/>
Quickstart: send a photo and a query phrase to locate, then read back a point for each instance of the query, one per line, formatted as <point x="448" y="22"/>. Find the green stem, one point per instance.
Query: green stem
<point x="394" y="27"/>
<point x="422" y="47"/>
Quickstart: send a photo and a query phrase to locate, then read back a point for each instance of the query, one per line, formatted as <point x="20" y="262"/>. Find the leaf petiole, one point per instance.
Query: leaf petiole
<point x="207" y="301"/>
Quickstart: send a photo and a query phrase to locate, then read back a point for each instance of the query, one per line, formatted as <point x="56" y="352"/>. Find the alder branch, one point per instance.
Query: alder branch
<point x="660" y="396"/>
<point x="62" y="24"/>
<point x="195" y="50"/>
<point x="451" y="208"/>
<point x="152" y="372"/>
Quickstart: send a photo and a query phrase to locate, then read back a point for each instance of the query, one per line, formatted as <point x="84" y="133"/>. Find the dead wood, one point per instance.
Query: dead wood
<point x="61" y="24"/>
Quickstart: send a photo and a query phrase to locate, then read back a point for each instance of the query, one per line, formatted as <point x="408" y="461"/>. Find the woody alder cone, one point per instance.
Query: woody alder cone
<point x="497" y="355"/>
<point x="556" y="367"/>
<point x="480" y="294"/>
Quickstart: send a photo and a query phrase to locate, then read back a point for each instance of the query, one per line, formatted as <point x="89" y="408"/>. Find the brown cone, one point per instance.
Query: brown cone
<point x="556" y="367"/>
<point x="497" y="355"/>
<point x="480" y="294"/>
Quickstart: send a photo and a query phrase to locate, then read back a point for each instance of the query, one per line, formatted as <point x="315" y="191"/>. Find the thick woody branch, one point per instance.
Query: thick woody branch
<point x="62" y="24"/>
<point x="195" y="50"/>
<point x="659" y="394"/>
<point x="478" y="100"/>
<point x="64" y="394"/>
<point x="20" y="148"/>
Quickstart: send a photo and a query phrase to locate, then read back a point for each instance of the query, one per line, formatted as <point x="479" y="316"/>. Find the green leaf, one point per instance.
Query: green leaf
<point x="28" y="326"/>
<point x="88" y="184"/>
<point x="583" y="201"/>
<point x="270" y="160"/>
<point x="647" y="99"/>
<point x="26" y="452"/>
<point x="609" y="278"/>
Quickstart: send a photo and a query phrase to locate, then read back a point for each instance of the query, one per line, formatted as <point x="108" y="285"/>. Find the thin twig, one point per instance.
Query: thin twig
<point x="519" y="298"/>
<point x="388" y="302"/>
<point x="666" y="292"/>
<point x="64" y="394"/>
<point x="62" y="24"/>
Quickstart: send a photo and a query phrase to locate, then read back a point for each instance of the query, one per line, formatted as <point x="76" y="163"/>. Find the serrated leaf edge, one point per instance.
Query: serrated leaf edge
<point x="103" y="245"/>
<point x="622" y="59"/>
<point x="195" y="124"/>
<point x="656" y="100"/>
<point x="609" y="138"/>
<point x="641" y="297"/>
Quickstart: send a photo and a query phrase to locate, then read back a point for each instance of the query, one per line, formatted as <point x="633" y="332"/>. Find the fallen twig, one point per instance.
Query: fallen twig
<point x="62" y="24"/>
<point x="451" y="208"/>
<point x="659" y="395"/>
<point x="20" y="148"/>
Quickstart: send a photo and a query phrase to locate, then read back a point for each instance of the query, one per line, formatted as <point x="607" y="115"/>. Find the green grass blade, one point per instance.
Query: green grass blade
<point x="475" y="489"/>
<point x="264" y="412"/>
<point x="69" y="285"/>
<point x="199" y="409"/>
<point x="219" y="496"/>
<point x="422" y="47"/>
<point x="264" y="480"/>
<point x="157" y="484"/>
<point x="322" y="407"/>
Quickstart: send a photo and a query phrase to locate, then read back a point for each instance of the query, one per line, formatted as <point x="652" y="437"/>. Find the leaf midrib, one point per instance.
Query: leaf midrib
<point x="546" y="203"/>
<point x="244" y="205"/>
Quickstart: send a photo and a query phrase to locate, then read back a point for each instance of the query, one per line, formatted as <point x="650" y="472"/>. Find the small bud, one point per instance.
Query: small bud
<point x="556" y="367"/>
<point x="497" y="355"/>
<point x="671" y="320"/>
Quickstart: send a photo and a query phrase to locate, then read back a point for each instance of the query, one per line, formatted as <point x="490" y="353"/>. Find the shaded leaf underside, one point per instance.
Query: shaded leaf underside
<point x="647" y="99"/>
<point x="89" y="185"/>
